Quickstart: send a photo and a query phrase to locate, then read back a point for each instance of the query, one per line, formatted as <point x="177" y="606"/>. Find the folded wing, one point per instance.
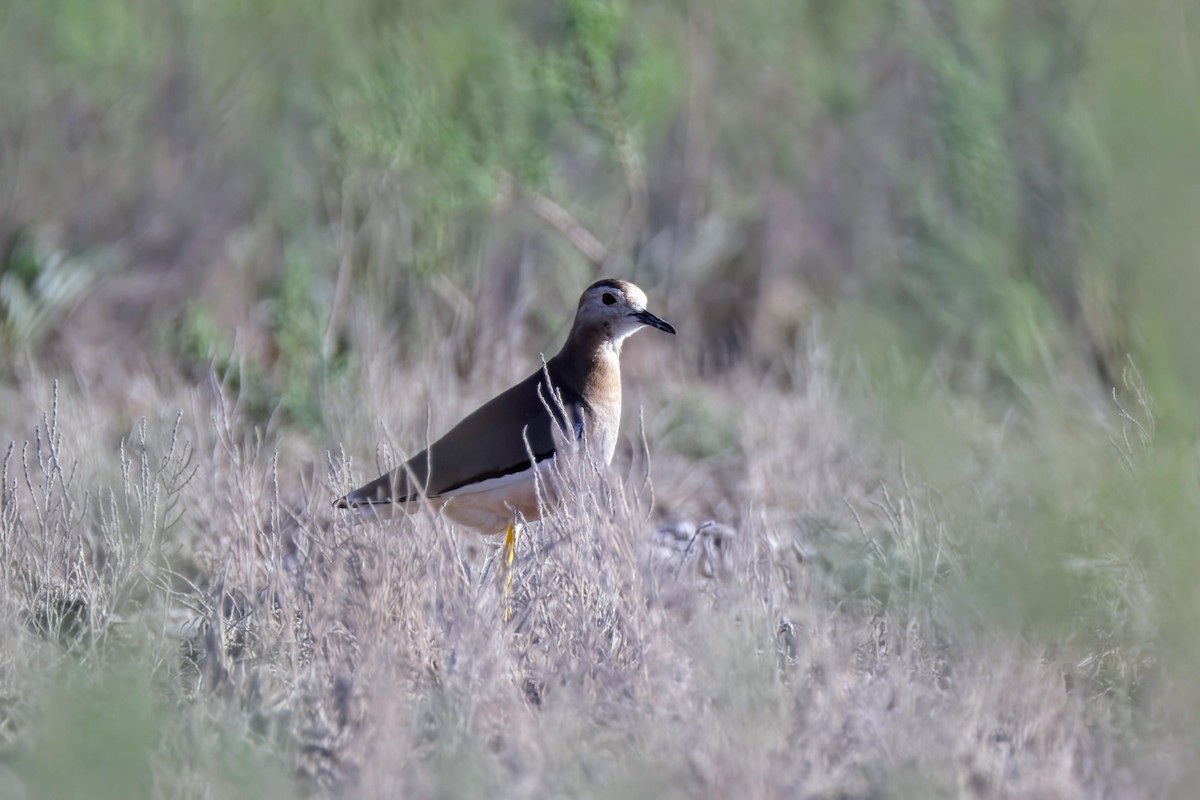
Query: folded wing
<point x="494" y="441"/>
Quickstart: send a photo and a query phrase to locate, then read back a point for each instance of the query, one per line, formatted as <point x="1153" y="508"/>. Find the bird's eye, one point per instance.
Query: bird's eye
<point x="608" y="299"/>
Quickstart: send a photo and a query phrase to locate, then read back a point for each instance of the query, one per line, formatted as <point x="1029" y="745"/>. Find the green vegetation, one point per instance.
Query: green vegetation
<point x="908" y="509"/>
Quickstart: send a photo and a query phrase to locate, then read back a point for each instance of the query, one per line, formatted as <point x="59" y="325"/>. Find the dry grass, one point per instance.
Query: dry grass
<point x="872" y="529"/>
<point x="769" y="603"/>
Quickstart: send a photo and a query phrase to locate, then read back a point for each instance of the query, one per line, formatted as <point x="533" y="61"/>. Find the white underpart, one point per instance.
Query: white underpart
<point x="491" y="505"/>
<point x="493" y="484"/>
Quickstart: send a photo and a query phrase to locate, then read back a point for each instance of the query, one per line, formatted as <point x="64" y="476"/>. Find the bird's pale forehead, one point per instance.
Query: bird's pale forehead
<point x="632" y="294"/>
<point x="610" y="283"/>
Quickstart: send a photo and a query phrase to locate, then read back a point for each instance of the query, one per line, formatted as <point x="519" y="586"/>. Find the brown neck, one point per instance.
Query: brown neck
<point x="591" y="361"/>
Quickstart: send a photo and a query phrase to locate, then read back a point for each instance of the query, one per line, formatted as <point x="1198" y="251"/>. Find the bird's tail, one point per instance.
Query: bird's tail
<point x="377" y="492"/>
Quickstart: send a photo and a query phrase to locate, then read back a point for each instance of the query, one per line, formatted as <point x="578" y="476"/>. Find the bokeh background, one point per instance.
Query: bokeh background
<point x="934" y="265"/>
<point x="1003" y="188"/>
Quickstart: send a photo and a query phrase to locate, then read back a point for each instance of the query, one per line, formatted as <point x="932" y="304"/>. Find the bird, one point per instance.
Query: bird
<point x="482" y="473"/>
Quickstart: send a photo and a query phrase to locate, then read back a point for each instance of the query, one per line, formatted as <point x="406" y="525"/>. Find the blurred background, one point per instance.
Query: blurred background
<point x="943" y="246"/>
<point x="1003" y="190"/>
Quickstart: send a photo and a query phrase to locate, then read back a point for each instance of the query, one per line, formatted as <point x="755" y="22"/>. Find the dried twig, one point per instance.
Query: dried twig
<point x="562" y="221"/>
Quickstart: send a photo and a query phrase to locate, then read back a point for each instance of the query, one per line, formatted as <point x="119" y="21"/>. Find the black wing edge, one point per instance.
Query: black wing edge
<point x="378" y="492"/>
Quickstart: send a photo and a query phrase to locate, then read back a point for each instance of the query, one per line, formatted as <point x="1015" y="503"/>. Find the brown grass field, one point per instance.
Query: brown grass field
<point x="798" y="614"/>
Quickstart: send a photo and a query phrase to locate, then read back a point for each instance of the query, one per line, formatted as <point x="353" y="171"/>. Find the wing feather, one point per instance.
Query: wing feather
<point x="495" y="440"/>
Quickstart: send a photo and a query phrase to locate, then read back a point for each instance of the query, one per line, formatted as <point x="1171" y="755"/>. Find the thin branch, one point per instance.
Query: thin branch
<point x="346" y="237"/>
<point x="630" y="156"/>
<point x="561" y="220"/>
<point x="697" y="143"/>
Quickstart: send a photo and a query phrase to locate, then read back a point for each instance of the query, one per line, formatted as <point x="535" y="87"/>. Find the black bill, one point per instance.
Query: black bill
<point x="646" y="318"/>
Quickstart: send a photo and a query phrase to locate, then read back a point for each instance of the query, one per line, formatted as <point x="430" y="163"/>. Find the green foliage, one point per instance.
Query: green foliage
<point x="964" y="271"/>
<point x="203" y="347"/>
<point x="699" y="428"/>
<point x="38" y="287"/>
<point x="99" y="739"/>
<point x="451" y="98"/>
<point x="107" y="733"/>
<point x="300" y="324"/>
<point x="290" y="383"/>
<point x="990" y="178"/>
<point x="109" y="48"/>
<point x="594" y="26"/>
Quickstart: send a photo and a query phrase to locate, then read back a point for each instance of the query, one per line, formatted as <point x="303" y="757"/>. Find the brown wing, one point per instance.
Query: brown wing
<point x="489" y="443"/>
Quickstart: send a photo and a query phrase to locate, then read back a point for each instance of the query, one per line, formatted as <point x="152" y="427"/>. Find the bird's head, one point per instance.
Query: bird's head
<point x="612" y="310"/>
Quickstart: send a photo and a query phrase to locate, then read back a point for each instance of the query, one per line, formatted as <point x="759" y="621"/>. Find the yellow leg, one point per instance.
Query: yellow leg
<point x="506" y="559"/>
